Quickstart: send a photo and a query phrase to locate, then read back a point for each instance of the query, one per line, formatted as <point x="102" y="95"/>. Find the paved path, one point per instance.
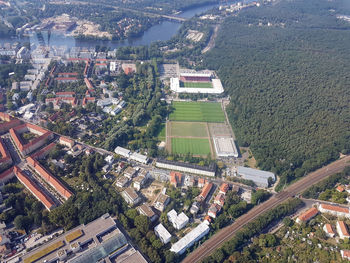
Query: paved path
<point x="298" y="187"/>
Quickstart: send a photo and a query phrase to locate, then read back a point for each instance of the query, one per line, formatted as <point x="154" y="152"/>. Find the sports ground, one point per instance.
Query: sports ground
<point x="190" y="145"/>
<point x="196" y="85"/>
<point x="197" y="112"/>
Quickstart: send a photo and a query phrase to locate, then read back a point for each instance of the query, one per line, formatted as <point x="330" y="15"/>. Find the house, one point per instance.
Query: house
<point x="161" y="202"/>
<point x="201" y="182"/>
<point x="189" y="181"/>
<point x="305" y="217"/>
<point x="178" y="220"/>
<point x="130" y="172"/>
<point x="122" y="181"/>
<point x="205" y="191"/>
<point x="109" y="159"/>
<point x="342" y="230"/>
<point x="66" y="141"/>
<point x="345" y="254"/>
<point x="219" y="199"/>
<point x="131" y="196"/>
<point x="214" y="209"/>
<point x="139" y="182"/>
<point x="334" y="210"/>
<point x="328" y="229"/>
<point x="175" y="178"/>
<point x="340" y="188"/>
<point x="194" y="208"/>
<point x="162" y="233"/>
<point x="146" y="210"/>
<point x="224" y="188"/>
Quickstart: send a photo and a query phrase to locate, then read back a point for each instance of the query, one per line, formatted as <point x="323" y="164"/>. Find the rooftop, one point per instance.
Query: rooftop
<point x="308" y="214"/>
<point x="335" y="208"/>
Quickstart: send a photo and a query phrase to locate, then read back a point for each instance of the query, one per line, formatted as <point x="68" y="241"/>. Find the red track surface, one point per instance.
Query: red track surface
<point x="298" y="187"/>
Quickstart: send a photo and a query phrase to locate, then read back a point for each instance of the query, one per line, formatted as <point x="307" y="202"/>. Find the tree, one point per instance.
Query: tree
<point x="142" y="223"/>
<point x="23" y="222"/>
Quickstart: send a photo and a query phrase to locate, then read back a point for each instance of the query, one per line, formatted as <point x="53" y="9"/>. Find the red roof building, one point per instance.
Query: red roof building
<point x="305" y="217"/>
<point x="175" y="178"/>
<point x="224" y="188"/>
<point x="66" y="141"/>
<point x="329" y="230"/>
<point x="8" y="122"/>
<point x="6" y="176"/>
<point x="340" y="188"/>
<point x="65" y="94"/>
<point x="334" y="210"/>
<point x="88" y="84"/>
<point x="34" y="189"/>
<point x="342" y="230"/>
<point x="5" y="158"/>
<point x="205" y="191"/>
<point x="219" y="199"/>
<point x="86" y="100"/>
<point x="345" y="254"/>
<point x="41" y="154"/>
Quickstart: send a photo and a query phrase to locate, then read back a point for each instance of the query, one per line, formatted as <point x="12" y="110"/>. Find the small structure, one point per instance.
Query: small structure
<point x="130" y="172"/>
<point x="340" y="188"/>
<point x="139" y="182"/>
<point x="194" y="208"/>
<point x="214" y="209"/>
<point x="161" y="202"/>
<point x="342" y="230"/>
<point x="122" y="181"/>
<point x="175" y="178"/>
<point x="224" y="188"/>
<point x="328" y="229"/>
<point x="307" y="216"/>
<point x="146" y="210"/>
<point x="162" y="233"/>
<point x="345" y="254"/>
<point x="131" y="196"/>
<point x="122" y="151"/>
<point x="178" y="220"/>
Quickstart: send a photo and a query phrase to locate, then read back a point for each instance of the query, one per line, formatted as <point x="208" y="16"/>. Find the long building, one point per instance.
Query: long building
<point x="8" y="122"/>
<point x="5" y="159"/>
<point x="43" y="137"/>
<point x="305" y="217"/>
<point x="186" y="167"/>
<point x="260" y="178"/>
<point x="49" y="178"/>
<point x="189" y="239"/>
<point x="334" y="210"/>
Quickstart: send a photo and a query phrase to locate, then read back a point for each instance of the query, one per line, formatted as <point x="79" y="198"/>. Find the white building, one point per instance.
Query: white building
<point x="131" y="196"/>
<point x="187" y="167"/>
<point x="122" y="181"/>
<point x="139" y="158"/>
<point x="122" y="151"/>
<point x="328" y="229"/>
<point x="178" y="221"/>
<point x="109" y="159"/>
<point x="342" y="230"/>
<point x="162" y="233"/>
<point x="334" y="210"/>
<point x="260" y="178"/>
<point x="139" y="182"/>
<point x="189" y="239"/>
<point x="161" y="202"/>
<point x="225" y="147"/>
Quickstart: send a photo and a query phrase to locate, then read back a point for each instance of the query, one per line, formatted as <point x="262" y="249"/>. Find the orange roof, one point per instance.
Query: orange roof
<point x="65" y="93"/>
<point x="44" y="151"/>
<point x="340" y="188"/>
<point x="3" y="175"/>
<point x="308" y="214"/>
<point x="4" y="152"/>
<point x="205" y="191"/>
<point x="329" y="229"/>
<point x="128" y="70"/>
<point x="175" y="177"/>
<point x="335" y="208"/>
<point x="343" y="228"/>
<point x="101" y="59"/>
<point x="66" y="78"/>
<point x="88" y="83"/>
<point x="33" y="188"/>
<point x="224" y="188"/>
<point x="68" y="74"/>
<point x="346" y="253"/>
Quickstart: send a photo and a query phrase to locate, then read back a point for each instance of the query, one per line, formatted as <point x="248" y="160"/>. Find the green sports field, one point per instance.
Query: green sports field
<point x="188" y="129"/>
<point x="196" y="85"/>
<point x="187" y="145"/>
<point x="162" y="132"/>
<point x="197" y="111"/>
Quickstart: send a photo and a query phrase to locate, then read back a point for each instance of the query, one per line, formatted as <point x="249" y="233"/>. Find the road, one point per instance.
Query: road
<point x="298" y="187"/>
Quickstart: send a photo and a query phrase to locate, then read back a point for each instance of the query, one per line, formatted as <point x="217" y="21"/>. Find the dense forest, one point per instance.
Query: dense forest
<point x="286" y="67"/>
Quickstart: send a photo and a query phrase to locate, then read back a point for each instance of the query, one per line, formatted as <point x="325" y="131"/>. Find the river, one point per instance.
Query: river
<point x="160" y="32"/>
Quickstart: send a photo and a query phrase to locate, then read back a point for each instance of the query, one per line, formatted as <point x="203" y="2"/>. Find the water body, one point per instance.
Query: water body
<point x="160" y="32"/>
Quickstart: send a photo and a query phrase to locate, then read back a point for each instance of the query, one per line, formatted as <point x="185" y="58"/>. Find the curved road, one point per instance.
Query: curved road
<point x="298" y="187"/>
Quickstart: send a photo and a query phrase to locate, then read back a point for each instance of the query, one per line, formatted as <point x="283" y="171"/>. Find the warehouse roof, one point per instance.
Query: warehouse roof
<point x="210" y="168"/>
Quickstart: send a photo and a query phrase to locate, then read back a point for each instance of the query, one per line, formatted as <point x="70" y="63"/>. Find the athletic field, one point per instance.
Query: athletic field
<point x="196" y="85"/>
<point x="188" y="129"/>
<point x="190" y="145"/>
<point x="197" y="111"/>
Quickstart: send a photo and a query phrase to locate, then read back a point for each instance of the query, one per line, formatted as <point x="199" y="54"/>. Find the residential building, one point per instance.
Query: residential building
<point x="139" y="182"/>
<point x="8" y="122"/>
<point x="5" y="159"/>
<point x="190" y="238"/>
<point x="201" y="182"/>
<point x="340" y="188"/>
<point x="214" y="209"/>
<point x="186" y="167"/>
<point x="189" y="181"/>
<point x="342" y="230"/>
<point x="162" y="233"/>
<point x="175" y="178"/>
<point x="328" y="229"/>
<point x="334" y="210"/>
<point x="194" y="208"/>
<point x="260" y="178"/>
<point x="305" y="217"/>
<point x="130" y="172"/>
<point x="131" y="196"/>
<point x="6" y="176"/>
<point x="66" y="141"/>
<point x="146" y="210"/>
<point x="345" y="254"/>
<point x="224" y="188"/>
<point x="205" y="191"/>
<point x="178" y="220"/>
<point x="219" y="199"/>
<point x="139" y="158"/>
<point x="122" y="151"/>
<point x="122" y="181"/>
<point x="161" y="202"/>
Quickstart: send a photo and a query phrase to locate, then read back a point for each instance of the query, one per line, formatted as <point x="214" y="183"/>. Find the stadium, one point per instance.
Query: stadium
<point x="196" y="83"/>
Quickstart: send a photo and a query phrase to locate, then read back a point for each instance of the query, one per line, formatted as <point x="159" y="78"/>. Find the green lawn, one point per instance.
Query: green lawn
<point x="186" y="129"/>
<point x="194" y="146"/>
<point x="161" y="134"/>
<point x="198" y="85"/>
<point x="197" y="111"/>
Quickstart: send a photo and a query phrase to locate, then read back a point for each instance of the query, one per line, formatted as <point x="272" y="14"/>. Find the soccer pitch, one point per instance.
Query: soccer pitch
<point x="197" y="111"/>
<point x="188" y="129"/>
<point x="196" y="85"/>
<point x="190" y="145"/>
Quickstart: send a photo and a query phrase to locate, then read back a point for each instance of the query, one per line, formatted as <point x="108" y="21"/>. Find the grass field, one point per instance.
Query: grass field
<point x="196" y="85"/>
<point x="187" y="145"/>
<point x="162" y="132"/>
<point x="197" y="111"/>
<point x="188" y="129"/>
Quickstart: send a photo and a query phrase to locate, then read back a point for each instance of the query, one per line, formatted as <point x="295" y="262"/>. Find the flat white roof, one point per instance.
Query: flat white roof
<point x="185" y="74"/>
<point x="138" y="156"/>
<point x="162" y="232"/>
<point x="225" y="147"/>
<point x="121" y="150"/>
<point x="216" y="89"/>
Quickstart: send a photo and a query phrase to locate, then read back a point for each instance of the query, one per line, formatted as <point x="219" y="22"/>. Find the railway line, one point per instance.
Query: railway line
<point x="298" y="187"/>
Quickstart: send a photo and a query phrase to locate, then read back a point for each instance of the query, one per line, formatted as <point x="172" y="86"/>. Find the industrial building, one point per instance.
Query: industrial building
<point x="260" y="178"/>
<point x="189" y="239"/>
<point x="139" y="158"/>
<point x="186" y="167"/>
<point x="162" y="233"/>
<point x="225" y="147"/>
<point x="122" y="151"/>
